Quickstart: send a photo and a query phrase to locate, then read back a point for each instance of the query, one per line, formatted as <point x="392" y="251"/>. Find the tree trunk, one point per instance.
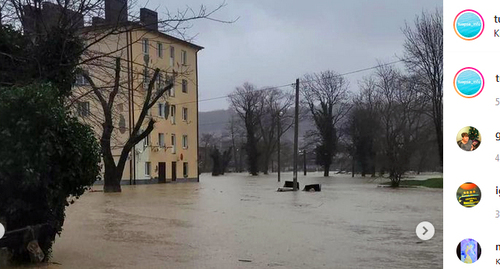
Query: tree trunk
<point x="327" y="170"/>
<point x="112" y="179"/>
<point x="352" y="166"/>
<point x="265" y="165"/>
<point x="439" y="133"/>
<point x="253" y="154"/>
<point x="112" y="173"/>
<point x="395" y="179"/>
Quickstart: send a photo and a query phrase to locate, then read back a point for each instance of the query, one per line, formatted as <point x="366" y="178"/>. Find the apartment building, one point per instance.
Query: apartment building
<point x="170" y="152"/>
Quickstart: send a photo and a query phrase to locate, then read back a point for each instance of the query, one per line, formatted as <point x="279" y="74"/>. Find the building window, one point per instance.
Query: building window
<point x="172" y="91"/>
<point x="185" y="169"/>
<point x="173" y="142"/>
<point x="145" y="80"/>
<point x="159" y="81"/>
<point x="172" y="114"/>
<point x="184" y="114"/>
<point x="184" y="86"/>
<point x="168" y="80"/>
<point x="184" y="141"/>
<point x="161" y="140"/>
<point x="146" y="141"/>
<point x="145" y="46"/>
<point x="80" y="79"/>
<point x="160" y="50"/>
<point x="172" y="56"/>
<point x="147" y="169"/>
<point x="183" y="57"/>
<point x="83" y="109"/>
<point x="161" y="110"/>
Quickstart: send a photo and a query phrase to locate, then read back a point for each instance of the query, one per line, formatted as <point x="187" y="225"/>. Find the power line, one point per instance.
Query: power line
<point x="293" y="84"/>
<point x="213" y="123"/>
<point x="286" y="85"/>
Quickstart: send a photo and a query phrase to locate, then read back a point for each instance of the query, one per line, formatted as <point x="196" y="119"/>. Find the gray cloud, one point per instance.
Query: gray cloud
<point x="274" y="42"/>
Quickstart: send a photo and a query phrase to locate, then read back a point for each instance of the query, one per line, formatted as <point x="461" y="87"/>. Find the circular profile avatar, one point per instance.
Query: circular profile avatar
<point x="468" y="138"/>
<point x="468" y="194"/>
<point x="469" y="82"/>
<point x="468" y="24"/>
<point x="469" y="251"/>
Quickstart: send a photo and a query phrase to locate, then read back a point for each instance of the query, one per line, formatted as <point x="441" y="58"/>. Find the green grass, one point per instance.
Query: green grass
<point x="436" y="183"/>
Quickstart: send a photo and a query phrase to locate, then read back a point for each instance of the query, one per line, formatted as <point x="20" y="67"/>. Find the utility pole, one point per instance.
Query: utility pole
<point x="305" y="165"/>
<point x="130" y="105"/>
<point x="279" y="146"/>
<point x="296" y="136"/>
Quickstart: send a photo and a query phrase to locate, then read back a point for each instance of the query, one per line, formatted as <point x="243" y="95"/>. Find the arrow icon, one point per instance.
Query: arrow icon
<point x="425" y="230"/>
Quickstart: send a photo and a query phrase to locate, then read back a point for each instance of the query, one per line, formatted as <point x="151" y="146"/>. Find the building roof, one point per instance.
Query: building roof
<point x="141" y="26"/>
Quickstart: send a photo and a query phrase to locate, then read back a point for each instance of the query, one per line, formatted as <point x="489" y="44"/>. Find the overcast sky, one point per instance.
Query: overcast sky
<point x="274" y="42"/>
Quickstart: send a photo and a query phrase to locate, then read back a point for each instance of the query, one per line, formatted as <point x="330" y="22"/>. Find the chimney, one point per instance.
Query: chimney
<point x="149" y="19"/>
<point x="115" y="11"/>
<point x="53" y="13"/>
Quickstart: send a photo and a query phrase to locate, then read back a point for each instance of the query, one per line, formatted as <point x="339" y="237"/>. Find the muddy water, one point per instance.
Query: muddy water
<point x="241" y="221"/>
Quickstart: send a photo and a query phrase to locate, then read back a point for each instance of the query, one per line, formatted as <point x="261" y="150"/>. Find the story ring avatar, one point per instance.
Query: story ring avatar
<point x="468" y="24"/>
<point x="468" y="82"/>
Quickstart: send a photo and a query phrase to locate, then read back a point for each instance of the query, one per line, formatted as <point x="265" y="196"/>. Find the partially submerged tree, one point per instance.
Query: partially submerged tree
<point x="207" y="141"/>
<point x="235" y="131"/>
<point x="274" y="122"/>
<point x="226" y="158"/>
<point x="400" y="105"/>
<point x="60" y="46"/>
<point x="216" y="161"/>
<point x="423" y="57"/>
<point x="247" y="102"/>
<point x="327" y="97"/>
<point x="364" y="128"/>
<point x="113" y="171"/>
<point x="220" y="161"/>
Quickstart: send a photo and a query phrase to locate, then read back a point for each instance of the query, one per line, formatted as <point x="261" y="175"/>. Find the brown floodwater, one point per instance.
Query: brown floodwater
<point x="239" y="221"/>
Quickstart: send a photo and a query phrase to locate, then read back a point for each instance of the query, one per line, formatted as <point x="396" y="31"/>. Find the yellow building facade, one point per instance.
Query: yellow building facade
<point x="170" y="151"/>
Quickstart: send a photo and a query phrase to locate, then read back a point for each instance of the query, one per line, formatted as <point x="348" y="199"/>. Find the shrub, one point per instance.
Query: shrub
<point x="47" y="158"/>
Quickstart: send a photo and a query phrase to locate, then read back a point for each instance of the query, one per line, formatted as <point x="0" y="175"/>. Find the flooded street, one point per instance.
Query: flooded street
<point x="239" y="221"/>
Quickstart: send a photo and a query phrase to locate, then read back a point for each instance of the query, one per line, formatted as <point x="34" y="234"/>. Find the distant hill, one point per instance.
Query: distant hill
<point x="216" y="122"/>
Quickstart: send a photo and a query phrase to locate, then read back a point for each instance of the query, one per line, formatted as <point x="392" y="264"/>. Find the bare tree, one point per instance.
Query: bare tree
<point x="363" y="126"/>
<point x="424" y="59"/>
<point x="276" y="104"/>
<point x="236" y="132"/>
<point x="247" y="102"/>
<point x="207" y="140"/>
<point x="64" y="45"/>
<point x="59" y="36"/>
<point x="327" y="97"/>
<point x="400" y="105"/>
<point x="113" y="171"/>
